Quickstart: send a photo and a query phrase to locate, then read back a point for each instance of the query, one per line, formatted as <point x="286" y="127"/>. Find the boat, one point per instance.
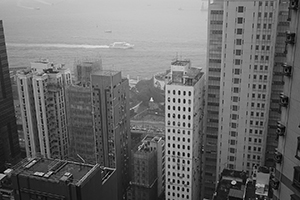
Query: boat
<point x="121" y="45"/>
<point x="108" y="31"/>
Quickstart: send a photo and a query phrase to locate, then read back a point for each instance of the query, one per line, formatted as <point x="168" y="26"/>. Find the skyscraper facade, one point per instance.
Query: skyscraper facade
<point x="110" y="101"/>
<point x="213" y="74"/>
<point x="79" y="113"/>
<point x="245" y="50"/>
<point x="42" y="101"/>
<point x="286" y="184"/>
<point x="9" y="142"/>
<point x="184" y="114"/>
<point x="246" y="74"/>
<point x="277" y="81"/>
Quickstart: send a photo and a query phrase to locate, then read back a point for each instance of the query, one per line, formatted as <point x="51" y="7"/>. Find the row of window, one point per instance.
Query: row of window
<point x="179" y="146"/>
<point x="183" y="189"/>
<point x="254" y="157"/>
<point x="179" y="116"/>
<point x="251" y="148"/>
<point x="178" y="139"/>
<point x="178" y="131"/>
<point x="179" y="182"/>
<point x="178" y="160"/>
<point x="184" y="93"/>
<point x="188" y="155"/>
<point x="179" y="100"/>
<point x="179" y="108"/>
<point x="257" y="114"/>
<point x="259" y="86"/>
<point x="188" y="125"/>
<point x="260" y="77"/>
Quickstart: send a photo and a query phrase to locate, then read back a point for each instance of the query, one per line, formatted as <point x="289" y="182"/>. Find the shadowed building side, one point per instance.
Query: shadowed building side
<point x="9" y="142"/>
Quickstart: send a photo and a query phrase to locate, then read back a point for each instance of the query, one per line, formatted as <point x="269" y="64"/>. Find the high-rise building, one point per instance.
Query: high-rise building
<point x="43" y="178"/>
<point x="184" y="113"/>
<point x="79" y="113"/>
<point x="110" y="102"/>
<point x="277" y="81"/>
<point x="143" y="166"/>
<point x="143" y="184"/>
<point x="249" y="33"/>
<point x="157" y="143"/>
<point x="213" y="83"/>
<point x="286" y="184"/>
<point x="245" y="49"/>
<point x="9" y="142"/>
<point x="84" y="69"/>
<point x="42" y="101"/>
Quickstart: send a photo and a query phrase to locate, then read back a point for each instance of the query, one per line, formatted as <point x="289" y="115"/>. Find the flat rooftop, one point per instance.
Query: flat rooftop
<point x="154" y="138"/>
<point x="54" y="169"/>
<point x="106" y="72"/>
<point x="181" y="62"/>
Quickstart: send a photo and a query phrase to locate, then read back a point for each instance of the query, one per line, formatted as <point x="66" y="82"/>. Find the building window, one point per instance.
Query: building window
<point x="296" y="179"/>
<point x="239" y="20"/>
<point x="238" y="41"/>
<point x="240" y="9"/>
<point x="239" y="31"/>
<point x="237" y="61"/>
<point x="238" y="52"/>
<point x="237" y="71"/>
<point x="298" y="148"/>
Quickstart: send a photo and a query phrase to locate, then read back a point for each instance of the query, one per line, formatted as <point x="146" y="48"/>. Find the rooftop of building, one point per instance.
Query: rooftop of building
<point x="182" y="73"/>
<point x="162" y="76"/>
<point x="106" y="72"/>
<point x="231" y="185"/>
<point x="181" y="62"/>
<point x="56" y="170"/>
<point x="153" y="138"/>
<point x="235" y="185"/>
<point x="24" y="71"/>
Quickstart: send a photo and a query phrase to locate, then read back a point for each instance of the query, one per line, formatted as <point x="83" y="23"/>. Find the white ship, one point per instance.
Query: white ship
<point x="121" y="45"/>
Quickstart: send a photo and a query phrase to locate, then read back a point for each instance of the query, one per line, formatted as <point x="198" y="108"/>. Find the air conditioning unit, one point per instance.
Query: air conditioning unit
<point x="272" y="170"/>
<point x="280" y="131"/>
<point x="274" y="183"/>
<point x="290" y="37"/>
<point x="293" y="4"/>
<point x="278" y="157"/>
<point x="284" y="100"/>
<point x="287" y="69"/>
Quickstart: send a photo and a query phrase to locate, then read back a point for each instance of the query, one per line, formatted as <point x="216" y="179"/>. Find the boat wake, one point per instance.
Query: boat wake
<point x="70" y="46"/>
<point x="44" y="2"/>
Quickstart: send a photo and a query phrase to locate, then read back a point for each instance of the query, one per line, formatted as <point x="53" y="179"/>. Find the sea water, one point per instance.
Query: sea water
<point x="65" y="31"/>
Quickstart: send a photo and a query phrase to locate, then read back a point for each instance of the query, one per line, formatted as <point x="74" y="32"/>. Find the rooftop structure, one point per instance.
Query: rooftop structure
<point x="182" y="73"/>
<point x="236" y="185"/>
<point x="62" y="179"/>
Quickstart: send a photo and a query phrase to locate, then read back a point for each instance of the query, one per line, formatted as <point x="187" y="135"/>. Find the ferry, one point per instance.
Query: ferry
<point x="121" y="45"/>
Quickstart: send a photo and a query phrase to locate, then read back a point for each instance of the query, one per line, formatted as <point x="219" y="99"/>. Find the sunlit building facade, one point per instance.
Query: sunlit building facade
<point x="184" y="114"/>
<point x="42" y="102"/>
